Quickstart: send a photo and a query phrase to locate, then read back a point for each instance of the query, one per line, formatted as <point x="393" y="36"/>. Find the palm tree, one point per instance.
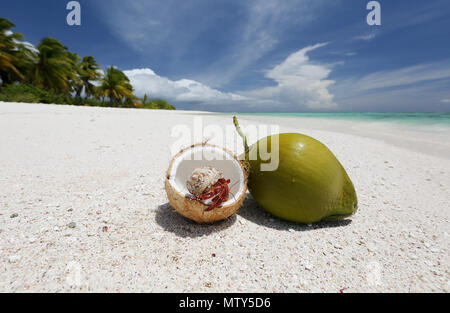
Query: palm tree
<point x="27" y="58"/>
<point x="99" y="94"/>
<point x="9" y="46"/>
<point x="145" y="99"/>
<point x="89" y="71"/>
<point x="54" y="70"/>
<point x="76" y="84"/>
<point x="116" y="86"/>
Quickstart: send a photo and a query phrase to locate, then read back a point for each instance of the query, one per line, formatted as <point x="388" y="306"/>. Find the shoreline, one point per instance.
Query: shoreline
<point x="420" y="138"/>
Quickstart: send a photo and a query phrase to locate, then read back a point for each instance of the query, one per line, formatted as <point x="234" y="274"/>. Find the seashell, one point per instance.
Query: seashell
<point x="202" y="179"/>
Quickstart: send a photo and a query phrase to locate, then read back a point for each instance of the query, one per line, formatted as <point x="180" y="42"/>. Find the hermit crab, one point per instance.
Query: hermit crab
<point x="206" y="183"/>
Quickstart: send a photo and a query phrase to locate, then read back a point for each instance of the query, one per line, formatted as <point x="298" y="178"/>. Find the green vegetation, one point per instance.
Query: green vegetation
<point x="116" y="86"/>
<point x="29" y="93"/>
<point x="50" y="73"/>
<point x="155" y="104"/>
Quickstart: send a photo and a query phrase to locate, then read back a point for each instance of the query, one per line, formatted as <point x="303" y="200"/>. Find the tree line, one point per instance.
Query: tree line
<point x="50" y="73"/>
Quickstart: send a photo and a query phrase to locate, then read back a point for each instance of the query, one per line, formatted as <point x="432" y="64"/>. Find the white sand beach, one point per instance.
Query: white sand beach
<point x="83" y="208"/>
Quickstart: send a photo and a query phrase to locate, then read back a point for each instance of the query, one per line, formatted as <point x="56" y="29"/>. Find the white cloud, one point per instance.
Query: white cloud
<point x="416" y="74"/>
<point x="29" y="46"/>
<point x="146" y="81"/>
<point x="300" y="83"/>
<point x="419" y="87"/>
<point x="256" y="37"/>
<point x="26" y="44"/>
<point x="365" y="37"/>
<point x="445" y="100"/>
<point x="175" y="28"/>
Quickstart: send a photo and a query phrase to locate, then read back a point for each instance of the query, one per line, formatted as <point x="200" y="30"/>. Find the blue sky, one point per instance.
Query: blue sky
<point x="227" y="55"/>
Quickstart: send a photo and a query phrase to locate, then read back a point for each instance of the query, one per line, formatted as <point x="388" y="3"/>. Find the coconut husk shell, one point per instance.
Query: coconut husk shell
<point x="195" y="210"/>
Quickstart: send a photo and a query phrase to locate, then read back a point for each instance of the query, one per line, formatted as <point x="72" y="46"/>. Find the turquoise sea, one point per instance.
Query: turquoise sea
<point x="418" y="131"/>
<point x="441" y="119"/>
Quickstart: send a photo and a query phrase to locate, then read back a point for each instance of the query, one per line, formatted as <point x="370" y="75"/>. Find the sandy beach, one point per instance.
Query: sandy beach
<point x="83" y="208"/>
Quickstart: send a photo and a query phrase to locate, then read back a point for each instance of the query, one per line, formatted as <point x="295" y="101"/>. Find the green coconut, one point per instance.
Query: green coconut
<point x="309" y="184"/>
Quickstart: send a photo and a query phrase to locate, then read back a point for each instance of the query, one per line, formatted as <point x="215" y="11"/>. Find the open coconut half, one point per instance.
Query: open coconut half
<point x="197" y="156"/>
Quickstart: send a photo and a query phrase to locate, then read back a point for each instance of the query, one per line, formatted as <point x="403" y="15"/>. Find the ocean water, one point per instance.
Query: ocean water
<point x="424" y="132"/>
<point x="442" y="119"/>
<point x="439" y="122"/>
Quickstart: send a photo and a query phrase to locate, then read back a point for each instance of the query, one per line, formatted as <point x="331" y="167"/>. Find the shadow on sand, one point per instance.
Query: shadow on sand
<point x="254" y="213"/>
<point x="173" y="222"/>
